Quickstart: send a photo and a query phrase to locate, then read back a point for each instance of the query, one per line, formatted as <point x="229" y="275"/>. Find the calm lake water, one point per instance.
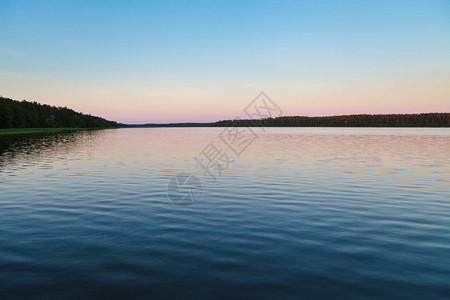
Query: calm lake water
<point x="303" y="212"/>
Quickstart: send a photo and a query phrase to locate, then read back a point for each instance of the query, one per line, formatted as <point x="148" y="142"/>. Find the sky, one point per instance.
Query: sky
<point x="201" y="61"/>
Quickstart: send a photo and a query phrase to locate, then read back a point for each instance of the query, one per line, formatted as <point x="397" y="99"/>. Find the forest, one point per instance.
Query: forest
<point x="391" y="120"/>
<point x="25" y="114"/>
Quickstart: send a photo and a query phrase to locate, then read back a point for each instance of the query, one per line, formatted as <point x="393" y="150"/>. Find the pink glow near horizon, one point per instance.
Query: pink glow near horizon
<point x="395" y="98"/>
<point x="390" y="95"/>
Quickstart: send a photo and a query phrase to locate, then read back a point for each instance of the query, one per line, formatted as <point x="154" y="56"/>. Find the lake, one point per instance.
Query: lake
<point x="292" y="213"/>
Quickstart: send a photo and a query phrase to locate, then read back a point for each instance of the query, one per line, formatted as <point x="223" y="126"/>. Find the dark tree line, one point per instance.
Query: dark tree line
<point x="393" y="120"/>
<point x="24" y="114"/>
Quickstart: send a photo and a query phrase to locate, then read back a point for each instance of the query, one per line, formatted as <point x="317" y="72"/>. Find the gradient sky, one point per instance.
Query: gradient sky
<point x="174" y="61"/>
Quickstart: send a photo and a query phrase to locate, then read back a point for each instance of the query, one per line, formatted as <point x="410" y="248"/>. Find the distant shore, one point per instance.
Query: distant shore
<point x="362" y="120"/>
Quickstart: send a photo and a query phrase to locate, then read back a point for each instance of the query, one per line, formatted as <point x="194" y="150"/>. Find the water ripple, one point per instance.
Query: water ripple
<point x="308" y="213"/>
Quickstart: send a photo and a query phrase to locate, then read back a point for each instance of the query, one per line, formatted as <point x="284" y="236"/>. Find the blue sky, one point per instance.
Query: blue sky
<point x="166" y="61"/>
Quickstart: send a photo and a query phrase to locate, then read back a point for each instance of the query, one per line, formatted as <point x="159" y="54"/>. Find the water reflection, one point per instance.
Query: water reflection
<point x="303" y="212"/>
<point x="24" y="150"/>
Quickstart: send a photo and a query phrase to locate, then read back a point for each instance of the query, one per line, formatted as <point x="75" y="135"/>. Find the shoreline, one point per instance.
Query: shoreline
<point x="11" y="131"/>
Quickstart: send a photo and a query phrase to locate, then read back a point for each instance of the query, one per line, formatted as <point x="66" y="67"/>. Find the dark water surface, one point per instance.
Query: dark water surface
<point x="304" y="212"/>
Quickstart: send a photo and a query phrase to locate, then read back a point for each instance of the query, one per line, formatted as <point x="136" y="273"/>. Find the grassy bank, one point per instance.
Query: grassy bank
<point x="39" y="130"/>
